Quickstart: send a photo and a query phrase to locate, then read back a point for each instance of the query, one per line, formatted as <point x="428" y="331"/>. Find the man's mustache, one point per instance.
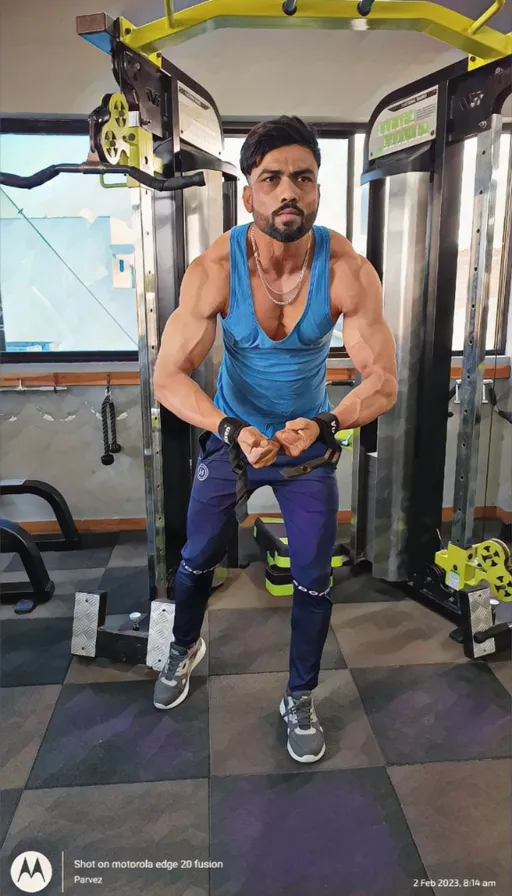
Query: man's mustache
<point x="289" y="208"/>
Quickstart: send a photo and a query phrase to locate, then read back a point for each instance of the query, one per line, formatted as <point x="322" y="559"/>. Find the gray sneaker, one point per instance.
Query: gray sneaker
<point x="305" y="736"/>
<point x="172" y="685"/>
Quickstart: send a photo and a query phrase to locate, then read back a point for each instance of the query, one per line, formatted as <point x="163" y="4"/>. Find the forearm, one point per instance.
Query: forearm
<point x="373" y="397"/>
<point x="185" y="398"/>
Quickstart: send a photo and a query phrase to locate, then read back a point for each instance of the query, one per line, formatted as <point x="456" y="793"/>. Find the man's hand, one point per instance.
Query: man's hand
<point x="259" y="451"/>
<point x="297" y="436"/>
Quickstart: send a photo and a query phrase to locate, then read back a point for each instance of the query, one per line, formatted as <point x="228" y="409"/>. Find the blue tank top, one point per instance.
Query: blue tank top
<point x="266" y="382"/>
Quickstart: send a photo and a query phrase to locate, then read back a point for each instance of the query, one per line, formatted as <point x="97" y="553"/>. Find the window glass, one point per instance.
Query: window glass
<point x="67" y="254"/>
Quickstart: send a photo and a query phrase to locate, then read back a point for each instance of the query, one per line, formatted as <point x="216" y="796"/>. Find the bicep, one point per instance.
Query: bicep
<point x="189" y="333"/>
<point x="366" y="335"/>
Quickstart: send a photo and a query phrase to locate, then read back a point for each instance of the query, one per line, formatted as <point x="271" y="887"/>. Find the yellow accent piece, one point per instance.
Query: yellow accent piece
<point x="271" y="519"/>
<point x="345" y="437"/>
<point x="485" y="44"/>
<point x="127" y="29"/>
<point x="284" y="540"/>
<point x="487" y="561"/>
<point x="336" y="562"/>
<point x="486" y="16"/>
<point x="123" y="144"/>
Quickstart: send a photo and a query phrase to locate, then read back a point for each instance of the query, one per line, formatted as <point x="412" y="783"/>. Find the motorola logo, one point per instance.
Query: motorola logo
<point x="31" y="872"/>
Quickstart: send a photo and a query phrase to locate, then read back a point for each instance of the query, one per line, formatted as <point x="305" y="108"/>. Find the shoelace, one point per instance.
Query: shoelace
<point x="174" y="661"/>
<point x="303" y="709"/>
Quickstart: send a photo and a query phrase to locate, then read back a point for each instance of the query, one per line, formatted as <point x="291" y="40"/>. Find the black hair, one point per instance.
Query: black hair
<point x="269" y="135"/>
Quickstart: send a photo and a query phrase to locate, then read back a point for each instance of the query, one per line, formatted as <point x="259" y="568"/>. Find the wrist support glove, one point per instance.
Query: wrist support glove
<point x="329" y="426"/>
<point x="230" y="428"/>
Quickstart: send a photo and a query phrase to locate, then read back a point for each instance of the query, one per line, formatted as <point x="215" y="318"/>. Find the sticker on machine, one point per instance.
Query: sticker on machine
<point x="198" y="121"/>
<point x="409" y="123"/>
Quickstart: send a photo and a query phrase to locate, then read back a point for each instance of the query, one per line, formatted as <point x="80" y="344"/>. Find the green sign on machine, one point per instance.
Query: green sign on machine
<point x="409" y="123"/>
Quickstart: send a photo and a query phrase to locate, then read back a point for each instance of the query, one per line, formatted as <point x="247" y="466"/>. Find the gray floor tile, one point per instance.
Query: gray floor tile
<point x="248" y="736"/>
<point x="129" y="553"/>
<point x="393" y="634"/>
<point x="139" y="822"/>
<point x="25" y="713"/>
<point x="258" y="640"/>
<point x="245" y="588"/>
<point x="459" y="816"/>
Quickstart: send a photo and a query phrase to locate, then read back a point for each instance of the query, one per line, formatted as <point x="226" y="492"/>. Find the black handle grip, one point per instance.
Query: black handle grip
<point x="492" y="632"/>
<point x="154" y="182"/>
<point x="364" y="7"/>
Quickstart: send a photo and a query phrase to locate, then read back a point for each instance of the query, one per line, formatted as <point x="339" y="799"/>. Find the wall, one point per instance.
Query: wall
<point x="57" y="437"/>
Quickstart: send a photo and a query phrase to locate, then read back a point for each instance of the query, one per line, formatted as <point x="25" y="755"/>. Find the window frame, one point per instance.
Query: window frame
<point x="65" y="125"/>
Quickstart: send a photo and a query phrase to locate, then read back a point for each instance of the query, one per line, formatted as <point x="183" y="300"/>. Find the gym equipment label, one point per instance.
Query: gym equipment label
<point x="198" y="122"/>
<point x="409" y="123"/>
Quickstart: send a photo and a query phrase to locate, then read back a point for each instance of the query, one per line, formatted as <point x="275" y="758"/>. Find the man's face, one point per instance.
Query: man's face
<point x="283" y="194"/>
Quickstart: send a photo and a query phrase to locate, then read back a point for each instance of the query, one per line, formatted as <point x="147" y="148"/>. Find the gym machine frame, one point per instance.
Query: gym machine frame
<point x="413" y="165"/>
<point x="481" y="43"/>
<point x="135" y="132"/>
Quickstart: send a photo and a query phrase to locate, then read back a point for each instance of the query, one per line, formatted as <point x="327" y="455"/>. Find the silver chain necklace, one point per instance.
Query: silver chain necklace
<point x="295" y="290"/>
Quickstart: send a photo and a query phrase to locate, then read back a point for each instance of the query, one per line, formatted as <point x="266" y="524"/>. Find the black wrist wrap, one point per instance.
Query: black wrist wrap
<point x="230" y="428"/>
<point x="329" y="426"/>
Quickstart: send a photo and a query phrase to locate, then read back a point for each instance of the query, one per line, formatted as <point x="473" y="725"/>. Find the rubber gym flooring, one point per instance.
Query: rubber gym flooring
<point x="413" y="794"/>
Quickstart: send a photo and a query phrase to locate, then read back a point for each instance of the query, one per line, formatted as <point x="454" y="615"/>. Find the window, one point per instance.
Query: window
<point x="67" y="253"/>
<point x="333" y="180"/>
<point x="465" y="231"/>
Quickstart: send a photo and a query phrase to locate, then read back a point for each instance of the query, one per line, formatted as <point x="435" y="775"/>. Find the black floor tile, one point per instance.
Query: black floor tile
<point x="9" y="799"/>
<point x="88" y="540"/>
<point x="127" y="589"/>
<point x="339" y="833"/>
<point x="110" y="733"/>
<point x="437" y="713"/>
<point x="361" y="588"/>
<point x="35" y="651"/>
<point x="258" y="640"/>
<point x="88" y="558"/>
<point x="132" y="537"/>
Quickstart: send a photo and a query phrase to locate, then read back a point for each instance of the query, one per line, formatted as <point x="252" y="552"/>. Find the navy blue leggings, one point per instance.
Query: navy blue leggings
<point x="309" y="506"/>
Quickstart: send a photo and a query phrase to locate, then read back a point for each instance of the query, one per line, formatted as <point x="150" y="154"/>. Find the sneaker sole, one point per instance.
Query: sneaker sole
<point x="197" y="659"/>
<point x="309" y="756"/>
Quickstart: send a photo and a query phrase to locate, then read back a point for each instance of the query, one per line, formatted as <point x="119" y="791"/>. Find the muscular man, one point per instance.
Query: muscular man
<point x="278" y="286"/>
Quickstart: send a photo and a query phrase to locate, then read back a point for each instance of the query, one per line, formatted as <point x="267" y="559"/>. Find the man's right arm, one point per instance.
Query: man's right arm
<point x="187" y="338"/>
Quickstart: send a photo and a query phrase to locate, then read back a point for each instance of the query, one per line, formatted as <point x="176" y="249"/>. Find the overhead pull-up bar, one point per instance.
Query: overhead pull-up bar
<point x="481" y="43"/>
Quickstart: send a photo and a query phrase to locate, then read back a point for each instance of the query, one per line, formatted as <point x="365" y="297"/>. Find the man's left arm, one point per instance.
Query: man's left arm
<point x="369" y="343"/>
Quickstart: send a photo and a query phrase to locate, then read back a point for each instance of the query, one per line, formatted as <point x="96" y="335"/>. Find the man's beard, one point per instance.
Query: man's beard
<point x="285" y="233"/>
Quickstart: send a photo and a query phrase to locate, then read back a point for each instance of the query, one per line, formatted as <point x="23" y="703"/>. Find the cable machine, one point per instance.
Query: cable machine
<point x="163" y="131"/>
<point x="413" y="165"/>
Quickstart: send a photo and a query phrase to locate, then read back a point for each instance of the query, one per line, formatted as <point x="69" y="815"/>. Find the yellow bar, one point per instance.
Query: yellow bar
<point x="488" y="14"/>
<point x="443" y="24"/>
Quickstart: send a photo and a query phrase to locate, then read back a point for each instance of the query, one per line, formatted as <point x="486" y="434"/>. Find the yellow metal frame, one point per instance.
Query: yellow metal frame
<point x="481" y="43"/>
